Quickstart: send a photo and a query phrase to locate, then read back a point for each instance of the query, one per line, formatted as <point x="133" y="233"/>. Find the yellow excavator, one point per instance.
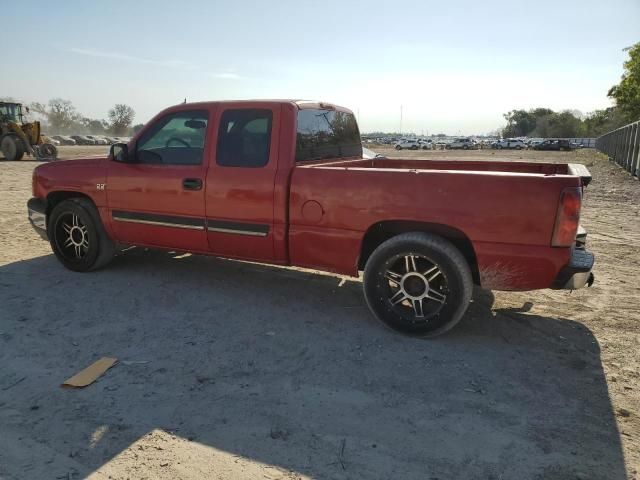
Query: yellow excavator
<point x="18" y="137"/>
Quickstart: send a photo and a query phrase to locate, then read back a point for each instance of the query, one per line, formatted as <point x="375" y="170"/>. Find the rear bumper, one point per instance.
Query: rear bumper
<point x="577" y="273"/>
<point x="37" y="211"/>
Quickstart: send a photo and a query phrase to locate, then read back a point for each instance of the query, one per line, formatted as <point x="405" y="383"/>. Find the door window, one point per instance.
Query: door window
<point x="244" y="138"/>
<point x="176" y="139"/>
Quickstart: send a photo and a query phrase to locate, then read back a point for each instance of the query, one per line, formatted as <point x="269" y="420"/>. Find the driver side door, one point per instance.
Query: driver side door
<point x="157" y="197"/>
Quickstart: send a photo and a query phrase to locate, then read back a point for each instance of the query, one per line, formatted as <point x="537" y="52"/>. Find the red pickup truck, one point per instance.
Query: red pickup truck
<point x="285" y="182"/>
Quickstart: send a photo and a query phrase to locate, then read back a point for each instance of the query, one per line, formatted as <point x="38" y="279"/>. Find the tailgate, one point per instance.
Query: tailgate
<point x="581" y="171"/>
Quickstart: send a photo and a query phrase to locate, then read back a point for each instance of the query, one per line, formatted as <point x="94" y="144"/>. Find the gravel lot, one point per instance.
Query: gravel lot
<point x="236" y="370"/>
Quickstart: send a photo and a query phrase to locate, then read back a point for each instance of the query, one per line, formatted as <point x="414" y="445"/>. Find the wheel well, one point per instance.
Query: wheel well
<point x="383" y="231"/>
<point x="54" y="198"/>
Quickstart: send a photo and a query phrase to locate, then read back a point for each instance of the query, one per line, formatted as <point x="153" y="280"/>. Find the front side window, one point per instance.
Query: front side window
<point x="244" y="138"/>
<point x="176" y="139"/>
<point x="327" y="134"/>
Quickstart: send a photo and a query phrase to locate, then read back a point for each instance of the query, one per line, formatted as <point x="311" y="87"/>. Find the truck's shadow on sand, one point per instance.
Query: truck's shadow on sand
<point x="289" y="369"/>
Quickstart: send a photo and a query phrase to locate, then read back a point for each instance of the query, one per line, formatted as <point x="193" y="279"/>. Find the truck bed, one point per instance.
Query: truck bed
<point x="505" y="210"/>
<point x="533" y="168"/>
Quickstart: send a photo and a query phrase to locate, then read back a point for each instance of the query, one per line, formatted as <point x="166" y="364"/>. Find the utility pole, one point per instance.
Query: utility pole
<point x="400" y="119"/>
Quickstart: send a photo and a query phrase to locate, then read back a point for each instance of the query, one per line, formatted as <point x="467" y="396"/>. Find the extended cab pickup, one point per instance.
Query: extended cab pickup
<point x="285" y="182"/>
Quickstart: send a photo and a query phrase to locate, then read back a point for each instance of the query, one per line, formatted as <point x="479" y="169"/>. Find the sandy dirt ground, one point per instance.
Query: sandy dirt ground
<point x="232" y="370"/>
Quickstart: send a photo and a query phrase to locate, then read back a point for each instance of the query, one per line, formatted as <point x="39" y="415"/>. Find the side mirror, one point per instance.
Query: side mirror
<point x="119" y="152"/>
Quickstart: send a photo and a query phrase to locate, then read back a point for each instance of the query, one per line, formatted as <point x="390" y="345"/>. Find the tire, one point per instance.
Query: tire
<point x="72" y="224"/>
<point x="48" y="151"/>
<point x="518" y="147"/>
<point x="499" y="147"/>
<point x="447" y="147"/>
<point x="465" y="147"/>
<point x="418" y="273"/>
<point x="398" y="147"/>
<point x="12" y="147"/>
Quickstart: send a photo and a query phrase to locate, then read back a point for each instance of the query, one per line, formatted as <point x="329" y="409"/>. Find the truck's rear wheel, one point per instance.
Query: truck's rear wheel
<point x="12" y="147"/>
<point x="77" y="236"/>
<point x="418" y="284"/>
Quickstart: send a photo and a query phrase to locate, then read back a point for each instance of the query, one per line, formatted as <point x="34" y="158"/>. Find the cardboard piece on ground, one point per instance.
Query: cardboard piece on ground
<point x="91" y="373"/>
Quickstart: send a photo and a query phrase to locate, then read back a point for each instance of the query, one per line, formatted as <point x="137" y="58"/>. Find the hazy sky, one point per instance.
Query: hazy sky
<point x="454" y="66"/>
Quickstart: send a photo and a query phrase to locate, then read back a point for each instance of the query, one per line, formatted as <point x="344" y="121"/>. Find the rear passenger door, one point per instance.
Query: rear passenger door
<point x="240" y="182"/>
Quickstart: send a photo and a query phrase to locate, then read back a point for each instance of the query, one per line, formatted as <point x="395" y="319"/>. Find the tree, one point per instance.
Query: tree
<point x="602" y="121"/>
<point x="121" y="118"/>
<point x="95" y="127"/>
<point x="627" y="93"/>
<point x="563" y="125"/>
<point x="61" y="115"/>
<point x="522" y="122"/>
<point x="136" y="128"/>
<point x="39" y="108"/>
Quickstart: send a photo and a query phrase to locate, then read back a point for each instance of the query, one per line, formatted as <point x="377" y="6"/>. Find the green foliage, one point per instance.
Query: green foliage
<point x="627" y="93"/>
<point x="61" y="115"/>
<point x="522" y="122"/>
<point x="602" y="121"/>
<point x="121" y="118"/>
<point x="95" y="127"/>
<point x="545" y="123"/>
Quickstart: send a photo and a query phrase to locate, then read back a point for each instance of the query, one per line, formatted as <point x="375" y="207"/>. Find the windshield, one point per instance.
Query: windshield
<point x="10" y="111"/>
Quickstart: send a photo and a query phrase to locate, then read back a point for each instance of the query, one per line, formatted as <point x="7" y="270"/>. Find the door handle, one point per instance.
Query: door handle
<point x="192" y="184"/>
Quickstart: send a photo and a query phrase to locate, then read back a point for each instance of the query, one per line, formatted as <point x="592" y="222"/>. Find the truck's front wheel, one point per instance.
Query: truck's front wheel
<point x="77" y="236"/>
<point x="418" y="284"/>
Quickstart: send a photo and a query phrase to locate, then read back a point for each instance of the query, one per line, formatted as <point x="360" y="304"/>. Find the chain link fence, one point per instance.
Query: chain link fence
<point x="623" y="147"/>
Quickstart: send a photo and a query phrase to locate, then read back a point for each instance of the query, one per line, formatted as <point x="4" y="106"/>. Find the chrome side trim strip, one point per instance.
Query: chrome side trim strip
<point x="159" y="224"/>
<point x="238" y="232"/>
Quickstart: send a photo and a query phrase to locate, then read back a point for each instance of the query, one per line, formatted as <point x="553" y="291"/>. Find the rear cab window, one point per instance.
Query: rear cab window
<point x="326" y="133"/>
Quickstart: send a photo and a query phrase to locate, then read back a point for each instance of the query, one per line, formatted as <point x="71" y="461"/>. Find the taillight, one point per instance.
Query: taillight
<point x="568" y="217"/>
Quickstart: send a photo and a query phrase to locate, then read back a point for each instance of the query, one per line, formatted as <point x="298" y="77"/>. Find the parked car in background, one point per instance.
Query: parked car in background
<point x="426" y="144"/>
<point x="83" y="140"/>
<point x="510" y="143"/>
<point x="97" y="139"/>
<point x="462" y="144"/>
<point x="64" y="140"/>
<point x="51" y="140"/>
<point x="408" y="144"/>
<point x="532" y="142"/>
<point x="555" y="145"/>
